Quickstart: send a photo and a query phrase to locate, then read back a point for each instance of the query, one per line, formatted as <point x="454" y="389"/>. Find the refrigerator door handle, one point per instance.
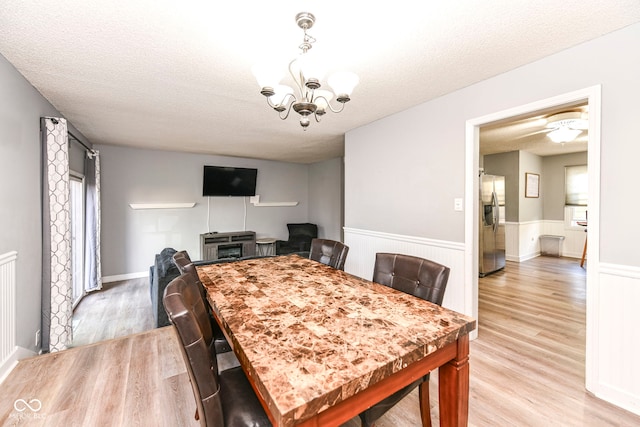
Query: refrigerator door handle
<point x="496" y="211"/>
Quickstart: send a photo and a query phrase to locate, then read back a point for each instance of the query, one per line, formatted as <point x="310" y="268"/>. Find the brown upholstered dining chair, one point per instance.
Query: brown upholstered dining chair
<point x="329" y="252"/>
<point x="421" y="278"/>
<point x="182" y="260"/>
<point x="222" y="398"/>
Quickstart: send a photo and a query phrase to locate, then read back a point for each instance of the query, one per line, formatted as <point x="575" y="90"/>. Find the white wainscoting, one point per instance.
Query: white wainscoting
<point x="615" y="345"/>
<point x="10" y="353"/>
<point x="364" y="244"/>
<point x="522" y="239"/>
<point x="573" y="243"/>
<point x="7" y="305"/>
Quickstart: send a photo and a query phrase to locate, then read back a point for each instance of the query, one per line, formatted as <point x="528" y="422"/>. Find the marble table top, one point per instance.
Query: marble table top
<point x="310" y="336"/>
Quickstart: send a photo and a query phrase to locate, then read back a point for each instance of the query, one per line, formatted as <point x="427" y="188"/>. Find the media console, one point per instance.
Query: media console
<point x="215" y="246"/>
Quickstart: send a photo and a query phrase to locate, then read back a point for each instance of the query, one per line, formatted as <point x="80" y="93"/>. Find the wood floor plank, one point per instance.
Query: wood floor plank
<point x="527" y="365"/>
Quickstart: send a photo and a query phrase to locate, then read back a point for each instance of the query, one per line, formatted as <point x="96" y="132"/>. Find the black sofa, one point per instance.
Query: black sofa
<point x="163" y="271"/>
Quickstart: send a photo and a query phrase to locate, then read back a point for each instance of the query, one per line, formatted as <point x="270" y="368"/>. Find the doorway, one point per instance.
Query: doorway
<point x="592" y="97"/>
<point x="76" y="200"/>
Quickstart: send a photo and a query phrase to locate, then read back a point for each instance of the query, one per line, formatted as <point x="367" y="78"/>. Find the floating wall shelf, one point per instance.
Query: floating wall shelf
<point x="255" y="200"/>
<point x="162" y="205"/>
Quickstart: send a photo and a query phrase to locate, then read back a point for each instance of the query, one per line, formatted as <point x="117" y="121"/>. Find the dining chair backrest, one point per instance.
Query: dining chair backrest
<point x="187" y="311"/>
<point x="186" y="266"/>
<point x="329" y="252"/>
<point x="421" y="278"/>
<point x="413" y="275"/>
<point x="182" y="260"/>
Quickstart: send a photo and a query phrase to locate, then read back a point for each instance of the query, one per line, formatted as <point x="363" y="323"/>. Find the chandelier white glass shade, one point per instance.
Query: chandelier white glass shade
<point x="307" y="73"/>
<point x="566" y="126"/>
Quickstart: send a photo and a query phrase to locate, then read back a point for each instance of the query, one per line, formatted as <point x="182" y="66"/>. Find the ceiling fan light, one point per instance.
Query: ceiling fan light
<point x="563" y="134"/>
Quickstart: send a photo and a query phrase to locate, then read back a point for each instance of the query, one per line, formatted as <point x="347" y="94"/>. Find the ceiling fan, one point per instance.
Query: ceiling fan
<point x="565" y="127"/>
<point x="560" y="127"/>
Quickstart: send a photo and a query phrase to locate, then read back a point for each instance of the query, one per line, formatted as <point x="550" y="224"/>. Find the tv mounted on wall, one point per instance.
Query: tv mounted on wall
<point x="229" y="181"/>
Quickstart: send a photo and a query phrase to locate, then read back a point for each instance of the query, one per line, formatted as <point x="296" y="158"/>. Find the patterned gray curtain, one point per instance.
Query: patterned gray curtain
<point x="92" y="264"/>
<point x="57" y="304"/>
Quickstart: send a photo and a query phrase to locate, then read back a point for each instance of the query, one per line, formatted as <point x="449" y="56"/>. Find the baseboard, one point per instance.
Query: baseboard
<point x="129" y="276"/>
<point x="522" y="258"/>
<point x="10" y="362"/>
<point x="621" y="398"/>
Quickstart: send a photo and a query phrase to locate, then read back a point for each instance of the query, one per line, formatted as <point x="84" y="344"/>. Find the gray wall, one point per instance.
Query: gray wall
<point x="419" y="159"/>
<point x="552" y="182"/>
<point x="513" y="165"/>
<point x="131" y="238"/>
<point x="21" y="107"/>
<point x="419" y="154"/>
<point x="530" y="207"/>
<point x="326" y="198"/>
<point x="403" y="172"/>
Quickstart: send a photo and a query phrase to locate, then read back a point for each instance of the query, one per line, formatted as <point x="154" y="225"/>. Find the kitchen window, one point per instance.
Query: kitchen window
<point x="576" y="195"/>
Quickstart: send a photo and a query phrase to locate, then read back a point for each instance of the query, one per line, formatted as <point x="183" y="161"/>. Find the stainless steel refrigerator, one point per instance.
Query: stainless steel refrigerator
<point x="492" y="237"/>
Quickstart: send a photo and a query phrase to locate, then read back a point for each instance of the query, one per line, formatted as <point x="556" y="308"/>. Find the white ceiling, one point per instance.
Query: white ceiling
<point x="176" y="75"/>
<point x="529" y="133"/>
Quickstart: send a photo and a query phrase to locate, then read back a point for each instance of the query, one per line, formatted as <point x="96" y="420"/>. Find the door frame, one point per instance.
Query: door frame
<point x="592" y="95"/>
<point x="78" y="177"/>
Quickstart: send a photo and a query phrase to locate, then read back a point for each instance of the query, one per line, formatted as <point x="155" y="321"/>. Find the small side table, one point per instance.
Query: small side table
<point x="266" y="246"/>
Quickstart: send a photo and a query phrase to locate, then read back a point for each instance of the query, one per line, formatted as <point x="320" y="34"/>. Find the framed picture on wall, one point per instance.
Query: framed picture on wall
<point x="531" y="185"/>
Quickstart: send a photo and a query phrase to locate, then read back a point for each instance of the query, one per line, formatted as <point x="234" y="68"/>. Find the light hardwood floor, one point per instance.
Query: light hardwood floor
<point x="119" y="309"/>
<point x="527" y="365"/>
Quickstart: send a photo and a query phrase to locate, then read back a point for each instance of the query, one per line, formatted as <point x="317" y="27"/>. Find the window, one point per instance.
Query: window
<point x="576" y="195"/>
<point x="576" y="189"/>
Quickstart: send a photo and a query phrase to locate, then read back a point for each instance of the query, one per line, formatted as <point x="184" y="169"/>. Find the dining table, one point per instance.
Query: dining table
<point x="320" y="345"/>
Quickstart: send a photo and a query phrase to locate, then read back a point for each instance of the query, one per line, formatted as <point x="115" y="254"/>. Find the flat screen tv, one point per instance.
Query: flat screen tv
<point x="229" y="181"/>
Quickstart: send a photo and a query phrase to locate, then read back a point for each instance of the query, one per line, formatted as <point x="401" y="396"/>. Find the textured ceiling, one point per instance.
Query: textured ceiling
<point x="529" y="133"/>
<point x="176" y="75"/>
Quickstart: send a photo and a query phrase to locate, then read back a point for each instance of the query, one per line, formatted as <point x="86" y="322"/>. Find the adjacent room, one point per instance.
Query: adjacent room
<point x="324" y="214"/>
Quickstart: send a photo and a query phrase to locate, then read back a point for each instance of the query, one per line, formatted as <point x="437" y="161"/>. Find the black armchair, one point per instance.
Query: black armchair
<point x="300" y="236"/>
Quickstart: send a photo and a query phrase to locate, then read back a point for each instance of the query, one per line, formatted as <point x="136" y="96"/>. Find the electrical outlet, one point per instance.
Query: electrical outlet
<point x="38" y="338"/>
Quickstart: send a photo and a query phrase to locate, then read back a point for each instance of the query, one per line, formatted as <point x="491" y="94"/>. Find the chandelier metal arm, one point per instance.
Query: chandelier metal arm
<point x="307" y="99"/>
<point x="288" y="110"/>
<point x="299" y="81"/>
<point x="329" y="104"/>
<point x="289" y="98"/>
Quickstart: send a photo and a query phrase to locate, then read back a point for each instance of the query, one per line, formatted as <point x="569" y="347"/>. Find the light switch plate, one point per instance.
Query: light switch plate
<point x="457" y="204"/>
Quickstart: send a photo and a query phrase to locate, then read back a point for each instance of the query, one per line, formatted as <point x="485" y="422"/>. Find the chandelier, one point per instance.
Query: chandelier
<point x="308" y="99"/>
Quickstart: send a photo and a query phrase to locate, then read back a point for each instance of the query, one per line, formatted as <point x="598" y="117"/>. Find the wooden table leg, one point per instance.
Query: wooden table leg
<point x="584" y="251"/>
<point x="453" y="385"/>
